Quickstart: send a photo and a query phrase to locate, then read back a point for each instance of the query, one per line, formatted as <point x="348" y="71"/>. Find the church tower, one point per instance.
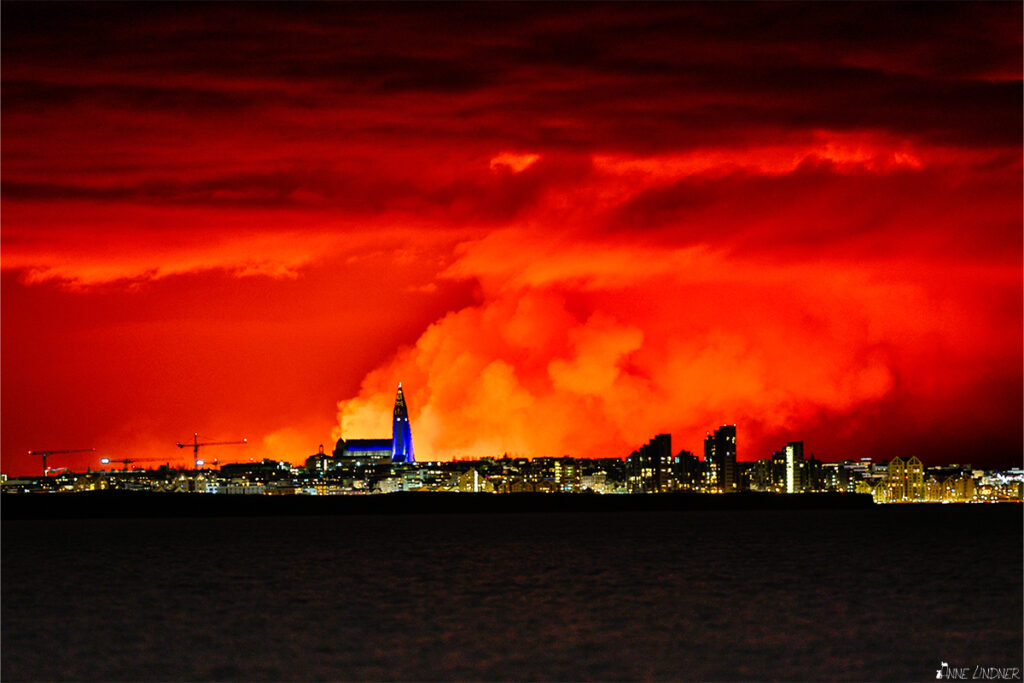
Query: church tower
<point x="401" y="434"/>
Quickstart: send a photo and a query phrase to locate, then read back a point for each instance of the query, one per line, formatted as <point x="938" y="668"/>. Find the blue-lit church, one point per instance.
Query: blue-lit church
<point x="398" y="448"/>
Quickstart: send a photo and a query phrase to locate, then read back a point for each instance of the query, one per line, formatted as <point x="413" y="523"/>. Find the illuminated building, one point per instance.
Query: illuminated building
<point x="761" y="477"/>
<point x="596" y="482"/>
<point x="712" y="469"/>
<point x="318" y="462"/>
<point x="471" y="482"/>
<point x="242" y="489"/>
<point x="401" y="434"/>
<point x="650" y="468"/>
<point x="915" y="479"/>
<point x="879" y="492"/>
<point x="779" y="470"/>
<point x="897" y="481"/>
<point x="848" y="473"/>
<point x="833" y="477"/>
<point x="613" y="466"/>
<point x="540" y="470"/>
<point x="794" y="466"/>
<point x="744" y="475"/>
<point x="960" y="489"/>
<point x="686" y="470"/>
<point x="905" y="481"/>
<point x="720" y="459"/>
<point x="413" y="480"/>
<point x="396" y="449"/>
<point x="365" y="450"/>
<point x="568" y="475"/>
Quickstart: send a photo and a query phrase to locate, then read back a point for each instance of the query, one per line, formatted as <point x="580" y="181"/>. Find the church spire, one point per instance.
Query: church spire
<point x="401" y="434"/>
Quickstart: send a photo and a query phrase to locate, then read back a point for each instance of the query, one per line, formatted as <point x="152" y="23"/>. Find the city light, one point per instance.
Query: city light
<point x="370" y="466"/>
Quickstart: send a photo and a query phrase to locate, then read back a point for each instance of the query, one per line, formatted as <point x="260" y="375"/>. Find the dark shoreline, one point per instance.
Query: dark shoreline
<point x="125" y="504"/>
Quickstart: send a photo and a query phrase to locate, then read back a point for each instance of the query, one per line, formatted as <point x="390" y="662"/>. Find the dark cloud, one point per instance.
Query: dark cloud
<point x="480" y="195"/>
<point x="905" y="208"/>
<point x="613" y="76"/>
<point x="285" y="189"/>
<point x="24" y="96"/>
<point x="506" y="195"/>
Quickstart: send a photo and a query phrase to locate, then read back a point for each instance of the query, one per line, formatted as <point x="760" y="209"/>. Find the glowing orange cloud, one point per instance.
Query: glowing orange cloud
<point x="720" y="341"/>
<point x="565" y="228"/>
<point x="516" y="163"/>
<point x="847" y="151"/>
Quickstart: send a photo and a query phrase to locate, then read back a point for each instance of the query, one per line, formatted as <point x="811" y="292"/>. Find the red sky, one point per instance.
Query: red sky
<point x="564" y="228"/>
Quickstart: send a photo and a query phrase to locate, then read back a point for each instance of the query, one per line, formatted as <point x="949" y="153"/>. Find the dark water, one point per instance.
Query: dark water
<point x="881" y="594"/>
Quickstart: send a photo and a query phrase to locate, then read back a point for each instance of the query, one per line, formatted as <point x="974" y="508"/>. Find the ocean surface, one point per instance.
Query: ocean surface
<point x="886" y="593"/>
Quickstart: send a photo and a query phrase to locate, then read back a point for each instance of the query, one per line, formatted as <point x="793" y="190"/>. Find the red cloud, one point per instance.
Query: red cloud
<point x="580" y="225"/>
<point x="708" y="342"/>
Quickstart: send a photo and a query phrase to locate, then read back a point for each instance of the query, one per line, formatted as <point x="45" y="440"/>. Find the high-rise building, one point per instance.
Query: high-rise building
<point x="568" y="474"/>
<point x="905" y="481"/>
<point x="401" y="434"/>
<point x="814" y="475"/>
<point x="720" y="459"/>
<point x="686" y="470"/>
<point x="779" y="470"/>
<point x="650" y="468"/>
<point x="794" y="466"/>
<point x="761" y="476"/>
<point x="915" y="479"/>
<point x="896" y="481"/>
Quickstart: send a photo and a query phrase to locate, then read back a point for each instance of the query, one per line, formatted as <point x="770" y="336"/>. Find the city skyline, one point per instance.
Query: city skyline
<point x="384" y="466"/>
<point x="565" y="228"/>
<point x="720" y="454"/>
<point x="653" y="468"/>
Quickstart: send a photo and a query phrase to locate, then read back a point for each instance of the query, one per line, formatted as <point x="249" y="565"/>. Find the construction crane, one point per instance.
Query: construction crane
<point x="47" y="454"/>
<point x="127" y="461"/>
<point x="197" y="444"/>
